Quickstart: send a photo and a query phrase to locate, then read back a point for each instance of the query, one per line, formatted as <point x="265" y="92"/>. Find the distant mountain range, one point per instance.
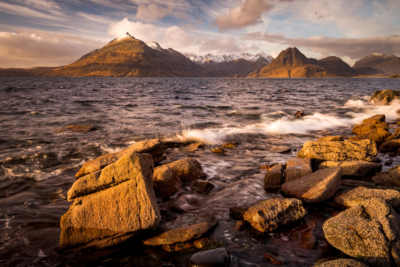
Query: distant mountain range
<point x="127" y="56"/>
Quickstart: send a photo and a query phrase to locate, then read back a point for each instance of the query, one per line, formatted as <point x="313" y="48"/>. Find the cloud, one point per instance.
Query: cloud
<point x="142" y="31"/>
<point x="353" y="48"/>
<point x="176" y="37"/>
<point x="28" y="49"/>
<point x="223" y="45"/>
<point x="152" y="12"/>
<point x="244" y="15"/>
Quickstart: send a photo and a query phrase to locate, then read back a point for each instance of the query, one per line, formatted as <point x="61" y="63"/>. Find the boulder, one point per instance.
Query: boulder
<point x="315" y="187"/>
<point x="112" y="212"/>
<point x="353" y="168"/>
<point x="374" y="128"/>
<point x="360" y="194"/>
<point x="384" y="97"/>
<point x="187" y="170"/>
<point x="365" y="150"/>
<point x="193" y="147"/>
<point x="155" y="147"/>
<point x="201" y="186"/>
<point x="268" y="215"/>
<point x="389" y="178"/>
<point x="273" y="177"/>
<point x="342" y="263"/>
<point x="296" y="168"/>
<point x="331" y="138"/>
<point x="390" y="146"/>
<point x="281" y="149"/>
<point x="368" y="231"/>
<point x="166" y="183"/>
<point x="218" y="257"/>
<point x="184" y="229"/>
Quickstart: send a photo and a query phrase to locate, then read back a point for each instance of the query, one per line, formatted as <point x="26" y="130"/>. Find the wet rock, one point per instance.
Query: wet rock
<point x="397" y="132"/>
<point x="184" y="229"/>
<point x="389" y="162"/>
<point x="219" y="150"/>
<point x="300" y="114"/>
<point x="353" y="168"/>
<point x="384" y="97"/>
<point x="238" y="212"/>
<point x="339" y="151"/>
<point x="268" y="215"/>
<point x="267" y="167"/>
<point x="241" y="225"/>
<point x="185" y="203"/>
<point x="360" y="194"/>
<point x="368" y="232"/>
<point x="297" y="168"/>
<point x="281" y="149"/>
<point x="389" y="178"/>
<point x="230" y="145"/>
<point x="129" y="167"/>
<point x="272" y="259"/>
<point x="193" y="147"/>
<point x="316" y="187"/>
<point x="75" y="128"/>
<point x="273" y="177"/>
<point x="331" y="138"/>
<point x="356" y="183"/>
<point x="154" y="147"/>
<point x="308" y="239"/>
<point x="218" y="257"/>
<point x="374" y="129"/>
<point x="114" y="214"/>
<point x="390" y="146"/>
<point x="342" y="263"/>
<point x="165" y="182"/>
<point x="187" y="170"/>
<point x="201" y="187"/>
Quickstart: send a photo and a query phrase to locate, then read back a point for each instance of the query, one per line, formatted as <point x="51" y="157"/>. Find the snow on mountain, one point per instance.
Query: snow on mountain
<point x="122" y="37"/>
<point x="154" y="45"/>
<point x="226" y="58"/>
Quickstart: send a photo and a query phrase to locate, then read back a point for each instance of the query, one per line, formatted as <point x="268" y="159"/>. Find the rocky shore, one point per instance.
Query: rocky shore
<point x="120" y="197"/>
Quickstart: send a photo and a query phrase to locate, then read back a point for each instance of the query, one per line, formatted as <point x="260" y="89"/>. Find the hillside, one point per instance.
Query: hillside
<point x="380" y="62"/>
<point x="130" y="57"/>
<point x="291" y="63"/>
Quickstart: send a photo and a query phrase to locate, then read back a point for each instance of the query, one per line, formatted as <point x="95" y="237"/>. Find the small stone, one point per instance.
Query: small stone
<point x="201" y="186"/>
<point x="230" y="145"/>
<point x="241" y="225"/>
<point x="219" y="150"/>
<point x="268" y="215"/>
<point x="281" y="149"/>
<point x="75" y="128"/>
<point x="218" y="257"/>
<point x="272" y="259"/>
<point x="193" y="147"/>
<point x="300" y="114"/>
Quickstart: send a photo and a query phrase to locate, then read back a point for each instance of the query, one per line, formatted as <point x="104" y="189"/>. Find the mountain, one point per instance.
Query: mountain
<point x="28" y="72"/>
<point x="291" y="63"/>
<point x="380" y="62"/>
<point x="127" y="56"/>
<point x="237" y="64"/>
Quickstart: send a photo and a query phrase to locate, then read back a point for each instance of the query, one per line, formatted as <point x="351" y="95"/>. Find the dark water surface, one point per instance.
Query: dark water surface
<point x="37" y="165"/>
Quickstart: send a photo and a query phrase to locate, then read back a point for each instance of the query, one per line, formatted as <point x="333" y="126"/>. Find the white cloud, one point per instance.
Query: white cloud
<point x="27" y="49"/>
<point x="176" y="37"/>
<point x="223" y="45"/>
<point x="142" y="31"/>
<point x="152" y="12"/>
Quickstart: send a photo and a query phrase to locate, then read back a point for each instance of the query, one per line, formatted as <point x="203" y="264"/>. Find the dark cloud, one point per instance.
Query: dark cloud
<point x="353" y="48"/>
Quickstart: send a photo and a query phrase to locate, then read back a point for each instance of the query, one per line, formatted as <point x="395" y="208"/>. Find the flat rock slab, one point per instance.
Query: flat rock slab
<point x="115" y="212"/>
<point x="297" y="168"/>
<point x="184" y="229"/>
<point x="268" y="215"/>
<point x="155" y="147"/>
<point x="360" y="194"/>
<point x="368" y="231"/>
<point x="354" y="168"/>
<point x="364" y="150"/>
<point x="316" y="187"/>
<point x="342" y="263"/>
<point x="389" y="178"/>
<point x="165" y="182"/>
<point x="273" y="177"/>
<point x="281" y="149"/>
<point x="218" y="257"/>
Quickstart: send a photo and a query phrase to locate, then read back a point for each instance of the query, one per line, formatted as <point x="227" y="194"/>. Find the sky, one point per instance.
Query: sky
<point x="59" y="32"/>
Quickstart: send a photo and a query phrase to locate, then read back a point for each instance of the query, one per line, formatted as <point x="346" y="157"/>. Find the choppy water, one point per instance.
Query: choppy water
<point x="37" y="166"/>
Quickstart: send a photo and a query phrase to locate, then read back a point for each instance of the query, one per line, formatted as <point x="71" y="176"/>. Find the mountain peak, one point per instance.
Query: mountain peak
<point x="126" y="35"/>
<point x="154" y="45"/>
